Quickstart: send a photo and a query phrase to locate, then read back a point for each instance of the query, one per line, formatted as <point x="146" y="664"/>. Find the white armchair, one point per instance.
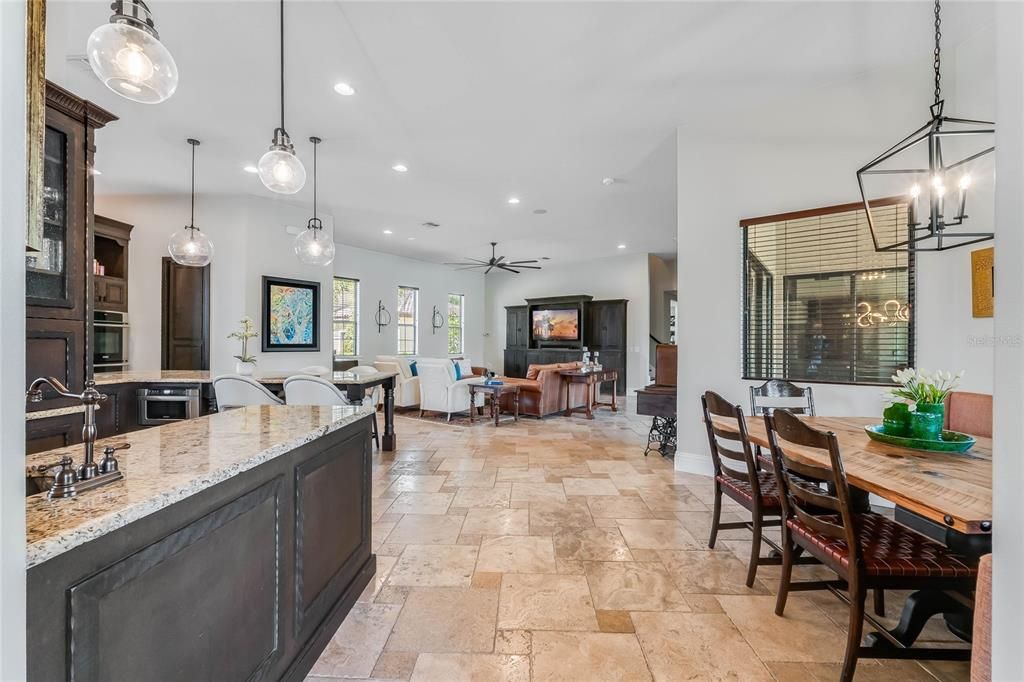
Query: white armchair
<point x="407" y="386"/>
<point x="440" y="391"/>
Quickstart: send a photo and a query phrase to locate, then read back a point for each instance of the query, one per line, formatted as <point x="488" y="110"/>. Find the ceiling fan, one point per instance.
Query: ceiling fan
<point x="497" y="262"/>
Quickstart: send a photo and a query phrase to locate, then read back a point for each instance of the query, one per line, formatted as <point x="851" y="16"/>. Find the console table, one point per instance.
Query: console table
<point x="592" y="380"/>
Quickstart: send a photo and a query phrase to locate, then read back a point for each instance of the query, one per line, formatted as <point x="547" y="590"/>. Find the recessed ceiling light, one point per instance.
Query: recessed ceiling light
<point x="622" y="246"/>
<point x="388" y="232"/>
<point x="412" y="239"/>
<point x="399" y="168"/>
<point x="251" y="169"/>
<point x="608" y="181"/>
<point x="344" y="89"/>
<point x="513" y="200"/>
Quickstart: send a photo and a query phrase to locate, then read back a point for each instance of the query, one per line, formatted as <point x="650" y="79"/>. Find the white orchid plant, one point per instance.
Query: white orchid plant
<point x="921" y="387"/>
<point x="246" y="332"/>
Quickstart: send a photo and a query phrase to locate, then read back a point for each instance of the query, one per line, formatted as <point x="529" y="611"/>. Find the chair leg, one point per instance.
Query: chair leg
<point x="879" y="596"/>
<point x="716" y="517"/>
<point x="449" y="416"/>
<point x="755" y="551"/>
<point x="376" y="432"/>
<point x="421" y="414"/>
<point x="786" y="577"/>
<point x="856" y="628"/>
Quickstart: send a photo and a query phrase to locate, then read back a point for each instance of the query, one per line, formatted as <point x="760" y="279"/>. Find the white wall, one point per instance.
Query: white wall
<point x="1007" y="464"/>
<point x="250" y="241"/>
<point x="12" y="341"/>
<point x="380" y="275"/>
<point x="607" y="278"/>
<point x="804" y="155"/>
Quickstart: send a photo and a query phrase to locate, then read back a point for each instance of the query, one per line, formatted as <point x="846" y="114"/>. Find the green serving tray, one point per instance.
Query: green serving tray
<point x="951" y="441"/>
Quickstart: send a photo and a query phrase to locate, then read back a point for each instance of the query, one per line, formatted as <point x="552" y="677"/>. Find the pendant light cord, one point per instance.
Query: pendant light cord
<point x="192" y="220"/>
<point x="282" y="65"/>
<point x="937" y="63"/>
<point x="314" y="180"/>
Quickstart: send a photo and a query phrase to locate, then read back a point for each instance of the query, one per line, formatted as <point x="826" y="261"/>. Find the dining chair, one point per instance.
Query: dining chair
<point x="779" y="393"/>
<point x="738" y="476"/>
<point x="372" y="398"/>
<point x="867" y="551"/>
<point x="235" y="390"/>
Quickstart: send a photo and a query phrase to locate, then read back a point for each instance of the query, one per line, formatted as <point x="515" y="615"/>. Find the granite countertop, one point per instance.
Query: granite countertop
<point x="168" y="463"/>
<point x="153" y="377"/>
<point x="203" y="377"/>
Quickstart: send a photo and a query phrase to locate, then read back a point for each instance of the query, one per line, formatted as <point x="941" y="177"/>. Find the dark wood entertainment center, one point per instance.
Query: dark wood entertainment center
<point x="602" y="326"/>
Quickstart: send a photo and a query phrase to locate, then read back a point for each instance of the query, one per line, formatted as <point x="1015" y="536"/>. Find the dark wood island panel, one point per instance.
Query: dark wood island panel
<point x="245" y="580"/>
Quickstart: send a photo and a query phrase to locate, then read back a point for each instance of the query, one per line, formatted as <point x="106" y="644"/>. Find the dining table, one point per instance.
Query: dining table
<point x="946" y="495"/>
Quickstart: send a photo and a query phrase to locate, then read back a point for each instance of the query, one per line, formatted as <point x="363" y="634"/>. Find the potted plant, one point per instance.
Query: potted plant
<point x="928" y="393"/>
<point x="246" y="363"/>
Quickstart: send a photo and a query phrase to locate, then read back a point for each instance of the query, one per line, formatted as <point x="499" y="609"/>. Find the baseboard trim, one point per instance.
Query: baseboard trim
<point x="694" y="464"/>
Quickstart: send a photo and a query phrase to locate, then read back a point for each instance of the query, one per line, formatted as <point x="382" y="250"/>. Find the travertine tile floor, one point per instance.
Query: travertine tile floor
<point x="554" y="550"/>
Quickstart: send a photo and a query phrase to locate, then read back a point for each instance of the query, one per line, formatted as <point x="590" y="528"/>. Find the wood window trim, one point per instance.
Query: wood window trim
<point x="821" y="211"/>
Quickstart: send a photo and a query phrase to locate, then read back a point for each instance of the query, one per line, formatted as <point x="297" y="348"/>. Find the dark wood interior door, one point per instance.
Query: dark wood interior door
<point x="185" y="329"/>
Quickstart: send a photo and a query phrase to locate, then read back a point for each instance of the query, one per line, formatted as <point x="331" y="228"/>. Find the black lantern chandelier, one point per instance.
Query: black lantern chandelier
<point x="916" y="192"/>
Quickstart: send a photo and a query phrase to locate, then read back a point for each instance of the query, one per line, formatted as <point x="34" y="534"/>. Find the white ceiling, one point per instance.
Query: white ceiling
<point x="482" y="101"/>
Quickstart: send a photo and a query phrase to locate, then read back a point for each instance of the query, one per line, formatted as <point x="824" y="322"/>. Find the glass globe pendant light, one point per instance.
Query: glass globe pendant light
<point x="127" y="55"/>
<point x="188" y="246"/>
<point x="279" y="169"/>
<point x="312" y="245"/>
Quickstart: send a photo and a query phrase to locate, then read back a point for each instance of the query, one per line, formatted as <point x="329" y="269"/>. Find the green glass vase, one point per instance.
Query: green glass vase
<point x="896" y="419"/>
<point x="926" y="421"/>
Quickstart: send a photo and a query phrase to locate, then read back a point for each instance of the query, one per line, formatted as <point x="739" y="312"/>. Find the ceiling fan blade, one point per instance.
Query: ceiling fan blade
<point x="526" y="267"/>
<point x="471" y="267"/>
<point x="520" y="262"/>
<point x="489" y="268"/>
<point x="508" y="269"/>
<point x="498" y="259"/>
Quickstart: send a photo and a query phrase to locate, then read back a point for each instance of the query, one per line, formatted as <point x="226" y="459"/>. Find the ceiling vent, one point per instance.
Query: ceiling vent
<point x="431" y="225"/>
<point x="79" y="61"/>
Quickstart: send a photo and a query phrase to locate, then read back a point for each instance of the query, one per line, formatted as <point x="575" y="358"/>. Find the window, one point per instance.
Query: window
<point x="346" y="317"/>
<point x="819" y="303"/>
<point x="456" y="324"/>
<point x="408" y="317"/>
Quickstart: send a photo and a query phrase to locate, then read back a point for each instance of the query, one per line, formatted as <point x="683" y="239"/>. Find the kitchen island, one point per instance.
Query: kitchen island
<point x="233" y="548"/>
<point x="121" y="388"/>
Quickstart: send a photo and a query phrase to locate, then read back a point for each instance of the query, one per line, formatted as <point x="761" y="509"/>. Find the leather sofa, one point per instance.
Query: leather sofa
<point x="541" y="392"/>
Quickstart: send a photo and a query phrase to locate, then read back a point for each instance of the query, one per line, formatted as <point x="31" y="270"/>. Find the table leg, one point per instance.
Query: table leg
<point x="472" y="405"/>
<point x="568" y="391"/>
<point x="495" y="408"/>
<point x="615" y="389"/>
<point x="591" y="397"/>
<point x="515" y="403"/>
<point x="388" y="439"/>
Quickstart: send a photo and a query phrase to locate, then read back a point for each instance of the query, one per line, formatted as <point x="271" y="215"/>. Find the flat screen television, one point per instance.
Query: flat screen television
<point x="560" y="324"/>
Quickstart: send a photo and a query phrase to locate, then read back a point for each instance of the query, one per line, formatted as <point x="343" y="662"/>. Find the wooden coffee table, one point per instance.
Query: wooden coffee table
<point x="593" y="380"/>
<point x="494" y="393"/>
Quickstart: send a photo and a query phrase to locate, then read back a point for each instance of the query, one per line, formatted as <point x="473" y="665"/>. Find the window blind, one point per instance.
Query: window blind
<point x="456" y="308"/>
<point x="346" y="317"/>
<point x="408" y="314"/>
<point x="819" y="303"/>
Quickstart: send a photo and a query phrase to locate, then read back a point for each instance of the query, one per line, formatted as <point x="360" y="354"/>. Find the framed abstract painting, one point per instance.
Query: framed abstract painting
<point x="291" y="315"/>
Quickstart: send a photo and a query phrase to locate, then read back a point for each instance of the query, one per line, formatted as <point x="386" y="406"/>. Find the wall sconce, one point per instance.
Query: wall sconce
<point x="436" y="320"/>
<point x="383" y="317"/>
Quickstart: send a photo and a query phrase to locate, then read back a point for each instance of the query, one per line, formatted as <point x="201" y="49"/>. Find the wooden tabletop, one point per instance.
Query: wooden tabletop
<point x="954" y="490"/>
<point x="494" y="388"/>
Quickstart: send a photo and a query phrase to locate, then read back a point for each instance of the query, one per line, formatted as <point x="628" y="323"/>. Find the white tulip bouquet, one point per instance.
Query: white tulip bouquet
<point x="921" y="387"/>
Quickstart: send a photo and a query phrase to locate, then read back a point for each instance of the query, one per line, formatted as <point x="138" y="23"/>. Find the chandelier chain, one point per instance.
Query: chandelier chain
<point x="937" y="63"/>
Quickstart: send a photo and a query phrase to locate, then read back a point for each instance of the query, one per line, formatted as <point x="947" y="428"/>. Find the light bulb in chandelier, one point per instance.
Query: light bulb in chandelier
<point x="190" y="246"/>
<point x="313" y="246"/>
<point x="280" y="169"/>
<point x="127" y="55"/>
